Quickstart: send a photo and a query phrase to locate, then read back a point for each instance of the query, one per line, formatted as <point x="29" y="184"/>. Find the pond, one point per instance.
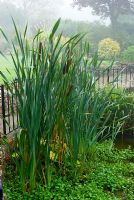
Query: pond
<point x="124" y="141"/>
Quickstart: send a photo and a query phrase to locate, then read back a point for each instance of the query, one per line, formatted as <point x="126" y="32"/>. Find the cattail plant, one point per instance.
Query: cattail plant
<point x="58" y="104"/>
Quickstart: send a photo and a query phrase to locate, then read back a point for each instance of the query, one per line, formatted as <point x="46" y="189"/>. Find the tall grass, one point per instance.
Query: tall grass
<point x="60" y="110"/>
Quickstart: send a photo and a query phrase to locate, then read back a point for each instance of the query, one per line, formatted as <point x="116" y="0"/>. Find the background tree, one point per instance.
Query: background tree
<point x="108" y="8"/>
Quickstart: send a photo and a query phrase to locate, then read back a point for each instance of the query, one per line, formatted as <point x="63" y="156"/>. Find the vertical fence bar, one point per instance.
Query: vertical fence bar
<point x="8" y="109"/>
<point x="103" y="78"/>
<point x="17" y="102"/>
<point x="132" y="83"/>
<point x="113" y="76"/>
<point x="1" y="190"/>
<point x="116" y="78"/>
<point x="121" y="78"/>
<point x="108" y="76"/>
<point x="98" y="71"/>
<point x="130" y="77"/>
<point x="126" y="78"/>
<point x="13" y="122"/>
<point x="3" y="109"/>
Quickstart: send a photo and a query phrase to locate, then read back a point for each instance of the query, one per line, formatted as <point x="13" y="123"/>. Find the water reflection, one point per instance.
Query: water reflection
<point x="124" y="141"/>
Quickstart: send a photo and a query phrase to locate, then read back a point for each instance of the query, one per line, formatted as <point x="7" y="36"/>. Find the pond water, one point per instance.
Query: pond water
<point x="124" y="141"/>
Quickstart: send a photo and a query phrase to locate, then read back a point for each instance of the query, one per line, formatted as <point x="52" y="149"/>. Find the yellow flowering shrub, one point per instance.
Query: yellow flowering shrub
<point x="108" y="48"/>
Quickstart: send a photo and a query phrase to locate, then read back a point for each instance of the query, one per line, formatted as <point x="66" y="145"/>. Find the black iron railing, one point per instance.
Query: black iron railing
<point x="121" y="77"/>
<point x="8" y="111"/>
<point x="1" y="191"/>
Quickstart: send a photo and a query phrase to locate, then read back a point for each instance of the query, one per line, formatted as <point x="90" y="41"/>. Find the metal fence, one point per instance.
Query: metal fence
<point x="8" y="111"/>
<point x="121" y="77"/>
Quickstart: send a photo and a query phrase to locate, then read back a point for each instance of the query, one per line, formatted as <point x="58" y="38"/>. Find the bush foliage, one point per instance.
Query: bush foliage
<point x="128" y="54"/>
<point x="108" y="48"/>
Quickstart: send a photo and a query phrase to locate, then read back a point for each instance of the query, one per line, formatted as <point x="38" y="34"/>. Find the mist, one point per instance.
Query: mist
<point x="53" y="9"/>
<point x="66" y="94"/>
<point x="93" y="17"/>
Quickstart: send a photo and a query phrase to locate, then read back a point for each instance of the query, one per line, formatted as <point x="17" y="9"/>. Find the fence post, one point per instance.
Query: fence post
<point x="108" y="78"/>
<point x="1" y="190"/>
<point x="3" y="109"/>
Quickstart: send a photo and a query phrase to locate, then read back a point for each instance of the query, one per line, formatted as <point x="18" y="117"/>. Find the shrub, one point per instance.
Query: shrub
<point x="128" y="54"/>
<point x="108" y="48"/>
<point x="121" y="106"/>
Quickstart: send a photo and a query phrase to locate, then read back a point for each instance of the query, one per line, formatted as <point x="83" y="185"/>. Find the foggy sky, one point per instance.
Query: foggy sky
<point x="65" y="10"/>
<point x="68" y="12"/>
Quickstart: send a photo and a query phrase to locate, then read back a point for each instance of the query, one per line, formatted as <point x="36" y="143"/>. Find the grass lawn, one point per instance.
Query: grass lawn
<point x="6" y="65"/>
<point x="107" y="175"/>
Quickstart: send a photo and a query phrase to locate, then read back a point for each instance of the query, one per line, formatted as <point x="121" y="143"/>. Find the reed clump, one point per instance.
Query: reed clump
<point x="60" y="109"/>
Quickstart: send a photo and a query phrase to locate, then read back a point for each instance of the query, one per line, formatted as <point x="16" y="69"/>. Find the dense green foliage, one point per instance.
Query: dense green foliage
<point x="107" y="175"/>
<point x="128" y="54"/>
<point x="122" y="107"/>
<point x="62" y="117"/>
<point x="60" y="109"/>
<point x="62" y="113"/>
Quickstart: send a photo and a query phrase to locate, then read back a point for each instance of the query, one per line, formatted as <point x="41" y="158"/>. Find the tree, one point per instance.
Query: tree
<point x="108" y="8"/>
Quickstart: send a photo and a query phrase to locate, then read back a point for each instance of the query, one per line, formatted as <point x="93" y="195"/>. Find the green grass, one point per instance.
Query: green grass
<point x="6" y="65"/>
<point x="107" y="175"/>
